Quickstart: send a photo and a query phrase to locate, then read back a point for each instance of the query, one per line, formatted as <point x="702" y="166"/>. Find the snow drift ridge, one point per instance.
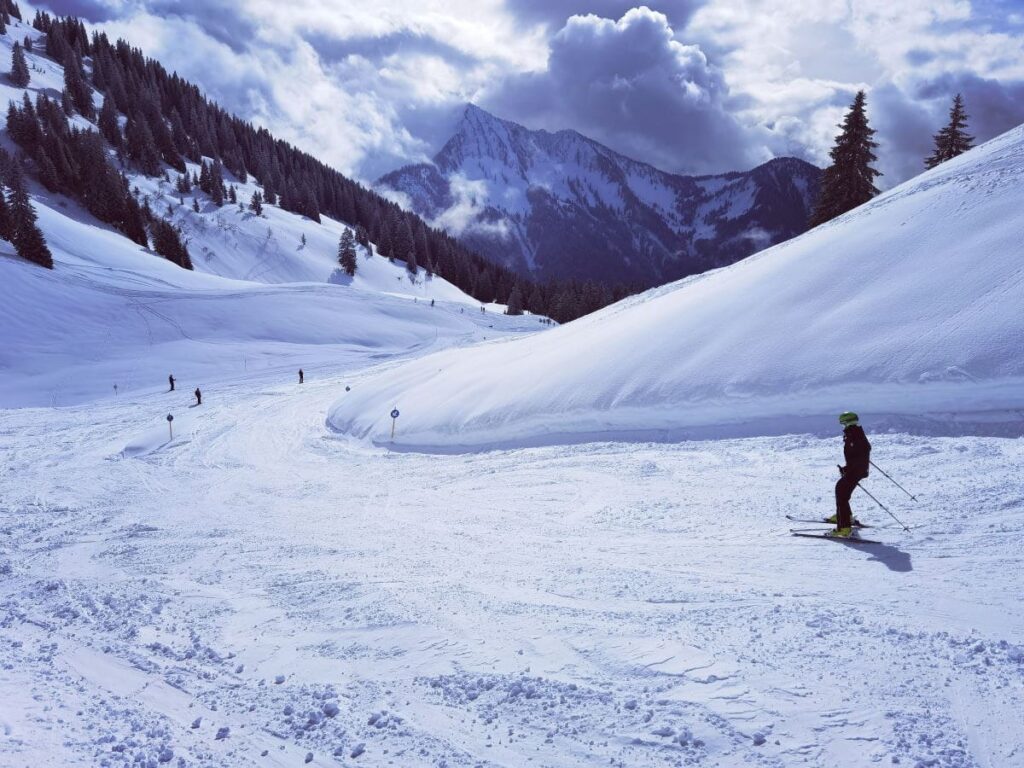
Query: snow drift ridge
<point x="907" y="307"/>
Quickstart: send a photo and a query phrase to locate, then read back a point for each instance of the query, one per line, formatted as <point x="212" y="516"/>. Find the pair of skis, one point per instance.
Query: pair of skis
<point x="815" y="533"/>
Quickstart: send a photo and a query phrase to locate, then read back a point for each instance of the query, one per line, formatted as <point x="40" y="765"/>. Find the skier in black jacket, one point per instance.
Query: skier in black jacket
<point x="857" y="452"/>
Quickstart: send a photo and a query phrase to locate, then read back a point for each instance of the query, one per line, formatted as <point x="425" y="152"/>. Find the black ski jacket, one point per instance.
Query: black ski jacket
<point x="856" y="450"/>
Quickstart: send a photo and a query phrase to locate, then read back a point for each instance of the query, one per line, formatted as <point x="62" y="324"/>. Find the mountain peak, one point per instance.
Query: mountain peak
<point x="474" y="111"/>
<point x="563" y="206"/>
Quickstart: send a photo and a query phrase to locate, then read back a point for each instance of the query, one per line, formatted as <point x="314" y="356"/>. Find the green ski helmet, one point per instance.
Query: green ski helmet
<point x="848" y="418"/>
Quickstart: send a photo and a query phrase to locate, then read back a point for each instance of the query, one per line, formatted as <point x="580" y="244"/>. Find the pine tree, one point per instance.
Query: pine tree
<point x="402" y="240"/>
<point x="363" y="237"/>
<point x="19" y="67"/>
<point x="217" y="189"/>
<point x="515" y="301"/>
<point x="135" y="221"/>
<point x="109" y="126"/>
<point x="484" y="288"/>
<point x="256" y="203"/>
<point x="536" y="304"/>
<point x="142" y="149"/>
<point x="76" y="85"/>
<point x="384" y="243"/>
<point x="6" y="226"/>
<point x="167" y="242"/>
<point x="195" y="204"/>
<point x="204" y="182"/>
<point x="28" y="240"/>
<point x="347" y="252"/>
<point x="850" y="180"/>
<point x="953" y="139"/>
<point x="410" y="262"/>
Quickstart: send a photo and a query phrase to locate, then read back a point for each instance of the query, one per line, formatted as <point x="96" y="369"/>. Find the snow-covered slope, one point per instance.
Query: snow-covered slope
<point x="909" y="306"/>
<point x="112" y="313"/>
<point x="560" y="205"/>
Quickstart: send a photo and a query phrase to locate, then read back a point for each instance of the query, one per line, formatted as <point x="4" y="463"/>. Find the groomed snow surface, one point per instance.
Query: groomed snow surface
<point x="908" y="309"/>
<point x="259" y="591"/>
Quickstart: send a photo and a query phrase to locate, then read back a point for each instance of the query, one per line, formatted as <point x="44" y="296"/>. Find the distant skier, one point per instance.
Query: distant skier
<point x="171" y="380"/>
<point x="857" y="452"/>
<point x="199" y="396"/>
<point x="302" y="376"/>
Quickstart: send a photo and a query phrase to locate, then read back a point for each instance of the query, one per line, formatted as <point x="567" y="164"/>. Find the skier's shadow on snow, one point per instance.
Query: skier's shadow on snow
<point x="893" y="558"/>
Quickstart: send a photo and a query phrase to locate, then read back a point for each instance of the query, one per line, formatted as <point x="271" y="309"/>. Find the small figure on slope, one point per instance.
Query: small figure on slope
<point x="302" y="376"/>
<point x="171" y="380"/>
<point x="199" y="398"/>
<point x="857" y="452"/>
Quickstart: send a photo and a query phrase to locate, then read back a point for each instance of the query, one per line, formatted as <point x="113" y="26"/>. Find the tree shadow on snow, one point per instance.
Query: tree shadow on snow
<point x="894" y="558"/>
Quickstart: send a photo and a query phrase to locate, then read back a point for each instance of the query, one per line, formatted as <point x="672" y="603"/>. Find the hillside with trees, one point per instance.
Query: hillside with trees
<point x="153" y="122"/>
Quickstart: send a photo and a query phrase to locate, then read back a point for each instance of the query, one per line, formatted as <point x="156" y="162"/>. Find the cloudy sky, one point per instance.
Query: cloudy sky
<point x="691" y="86"/>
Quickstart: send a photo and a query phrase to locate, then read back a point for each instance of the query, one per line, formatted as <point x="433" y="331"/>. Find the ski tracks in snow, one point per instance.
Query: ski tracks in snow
<point x="265" y="586"/>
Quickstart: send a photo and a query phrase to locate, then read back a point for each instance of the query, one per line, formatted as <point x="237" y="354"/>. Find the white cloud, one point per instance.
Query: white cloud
<point x="708" y="85"/>
<point x="796" y="65"/>
<point x="463" y="216"/>
<point x="631" y="84"/>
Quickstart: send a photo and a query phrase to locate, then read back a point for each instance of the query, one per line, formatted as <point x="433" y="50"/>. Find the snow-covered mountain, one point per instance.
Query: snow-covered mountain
<point x="560" y="205"/>
<point x="266" y="294"/>
<point x="907" y="308"/>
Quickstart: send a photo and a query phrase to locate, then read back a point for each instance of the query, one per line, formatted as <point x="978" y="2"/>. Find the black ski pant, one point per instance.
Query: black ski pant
<point x="844" y="490"/>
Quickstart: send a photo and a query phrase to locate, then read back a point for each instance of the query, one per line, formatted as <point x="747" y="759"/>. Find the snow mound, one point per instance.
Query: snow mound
<point x="160" y="437"/>
<point x="908" y="308"/>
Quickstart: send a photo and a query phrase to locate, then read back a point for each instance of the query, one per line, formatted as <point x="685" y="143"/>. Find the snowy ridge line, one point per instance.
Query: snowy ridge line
<point x="724" y="421"/>
<point x="564" y="206"/>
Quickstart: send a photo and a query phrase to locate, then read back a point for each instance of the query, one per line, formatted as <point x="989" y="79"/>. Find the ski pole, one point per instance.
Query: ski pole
<point x="893" y="481"/>
<point x="890" y="514"/>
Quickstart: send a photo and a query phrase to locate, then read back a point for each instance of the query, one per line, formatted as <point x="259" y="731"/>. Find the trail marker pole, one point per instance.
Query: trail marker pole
<point x="170" y="425"/>
<point x="394" y="421"/>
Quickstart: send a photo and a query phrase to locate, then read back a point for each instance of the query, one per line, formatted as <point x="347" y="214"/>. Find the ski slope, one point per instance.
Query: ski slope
<point x="111" y="313"/>
<point x="260" y="589"/>
<point x="261" y="592"/>
<point x="907" y="309"/>
<point x="114" y="318"/>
